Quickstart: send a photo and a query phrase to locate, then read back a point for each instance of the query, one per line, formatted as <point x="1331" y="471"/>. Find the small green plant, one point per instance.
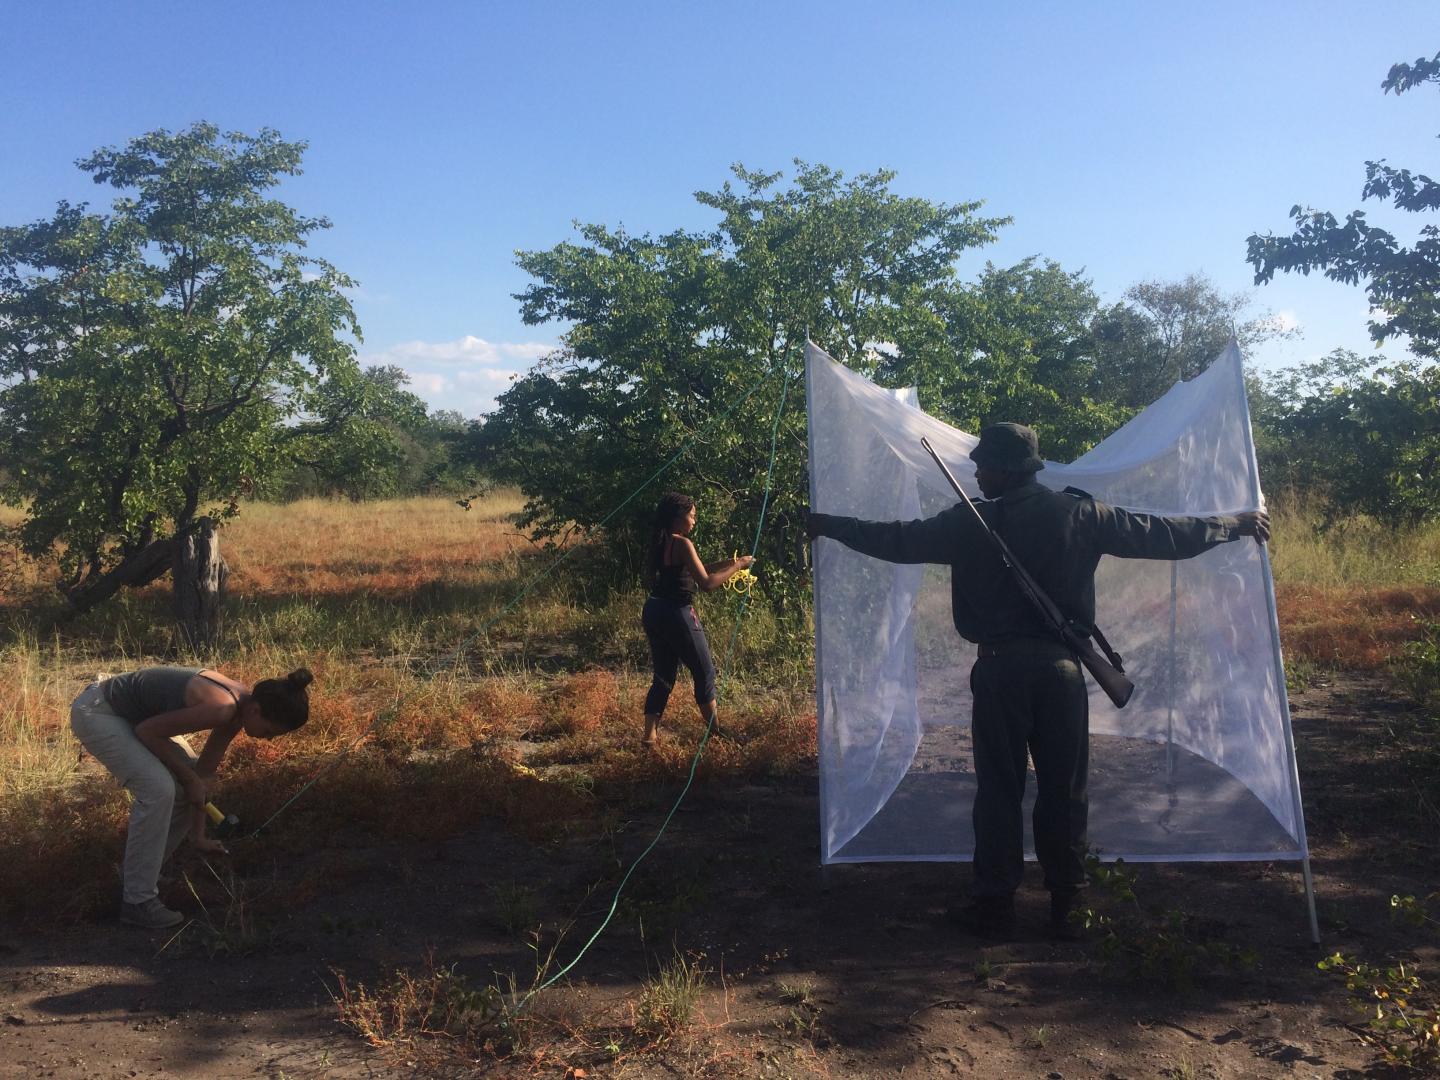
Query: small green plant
<point x="431" y="1001"/>
<point x="1037" y="1038"/>
<point x="984" y="970"/>
<point x="1402" y="1012"/>
<point x="1161" y="951"/>
<point x="230" y="928"/>
<point x="1418" y="666"/>
<point x="803" y="1016"/>
<point x="1415" y="912"/>
<point x="515" y="907"/>
<point x="668" y="1000"/>
<point x="1183" y="1069"/>
<point x="434" y="1012"/>
<point x="801" y="993"/>
<point x="1302" y="672"/>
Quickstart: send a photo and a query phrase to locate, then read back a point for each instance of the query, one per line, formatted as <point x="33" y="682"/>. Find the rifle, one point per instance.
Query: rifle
<point x="1107" y="672"/>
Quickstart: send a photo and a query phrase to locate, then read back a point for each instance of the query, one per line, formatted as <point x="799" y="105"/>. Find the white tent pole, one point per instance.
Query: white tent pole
<point x="815" y="602"/>
<point x="1170" y="715"/>
<point x="1279" y="662"/>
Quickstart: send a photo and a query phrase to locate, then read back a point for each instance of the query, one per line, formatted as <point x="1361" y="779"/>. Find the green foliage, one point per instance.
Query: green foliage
<point x="802" y="1015"/>
<point x="1418" y="667"/>
<point x="1402" y="1012"/>
<point x="516" y="907"/>
<point x="1162" y="332"/>
<point x="668" y="332"/>
<point x="373" y="439"/>
<point x="433" y="1001"/>
<point x="1019" y="344"/>
<point x="1165" y="950"/>
<point x="1403" y="283"/>
<point x="169" y="357"/>
<point x="1364" y="437"/>
<point x="668" y="1000"/>
<point x="1414" y="911"/>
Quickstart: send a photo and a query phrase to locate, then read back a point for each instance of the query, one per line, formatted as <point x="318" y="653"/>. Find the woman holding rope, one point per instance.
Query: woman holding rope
<point x="135" y="725"/>
<point x="670" y="622"/>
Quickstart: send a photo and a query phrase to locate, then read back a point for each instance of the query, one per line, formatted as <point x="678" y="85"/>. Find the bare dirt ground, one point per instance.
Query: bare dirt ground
<point x="847" y="972"/>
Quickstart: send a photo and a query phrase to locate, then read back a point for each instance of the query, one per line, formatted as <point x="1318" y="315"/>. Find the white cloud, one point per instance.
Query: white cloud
<point x="465" y="374"/>
<point x="426" y="384"/>
<point x="468" y="350"/>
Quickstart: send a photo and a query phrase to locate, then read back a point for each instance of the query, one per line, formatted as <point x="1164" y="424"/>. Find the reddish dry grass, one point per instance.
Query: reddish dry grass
<point x="445" y="739"/>
<point x="1355" y="628"/>
<point x="324" y="548"/>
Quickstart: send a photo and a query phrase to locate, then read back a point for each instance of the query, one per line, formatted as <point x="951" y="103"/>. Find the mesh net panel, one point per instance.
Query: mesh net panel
<point x="1199" y="765"/>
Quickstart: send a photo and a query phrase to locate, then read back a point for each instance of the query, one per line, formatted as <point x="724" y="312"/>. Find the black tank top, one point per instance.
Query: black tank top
<point x="672" y="582"/>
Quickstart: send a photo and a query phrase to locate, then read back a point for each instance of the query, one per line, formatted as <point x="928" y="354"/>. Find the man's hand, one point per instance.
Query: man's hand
<point x="1254" y="523"/>
<point x="813" y="525"/>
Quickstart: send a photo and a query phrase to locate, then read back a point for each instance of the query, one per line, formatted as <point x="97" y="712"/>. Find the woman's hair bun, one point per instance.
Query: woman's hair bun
<point x="300" y="678"/>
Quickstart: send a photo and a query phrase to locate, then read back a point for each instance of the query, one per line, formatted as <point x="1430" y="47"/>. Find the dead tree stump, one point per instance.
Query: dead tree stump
<point x="199" y="575"/>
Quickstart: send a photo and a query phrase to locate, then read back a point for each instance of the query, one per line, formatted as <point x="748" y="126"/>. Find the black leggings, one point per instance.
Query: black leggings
<point x="675" y="634"/>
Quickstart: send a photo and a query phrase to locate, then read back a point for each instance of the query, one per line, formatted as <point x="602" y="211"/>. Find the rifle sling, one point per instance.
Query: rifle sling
<point x="1017" y="570"/>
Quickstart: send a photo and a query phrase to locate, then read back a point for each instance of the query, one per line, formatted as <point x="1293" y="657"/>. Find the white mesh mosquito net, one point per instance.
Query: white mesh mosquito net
<point x="1200" y="765"/>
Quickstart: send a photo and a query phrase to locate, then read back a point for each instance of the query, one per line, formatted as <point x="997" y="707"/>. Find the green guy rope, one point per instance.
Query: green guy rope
<point x="709" y="728"/>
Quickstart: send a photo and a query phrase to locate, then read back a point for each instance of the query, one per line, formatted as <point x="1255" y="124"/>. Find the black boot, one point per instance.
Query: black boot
<point x="1063" y="903"/>
<point x="990" y="917"/>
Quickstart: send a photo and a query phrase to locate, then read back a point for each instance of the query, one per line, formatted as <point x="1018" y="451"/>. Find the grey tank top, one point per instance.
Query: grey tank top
<point x="139" y="695"/>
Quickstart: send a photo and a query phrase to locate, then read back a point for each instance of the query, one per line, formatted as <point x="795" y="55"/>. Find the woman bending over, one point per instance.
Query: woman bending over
<point x="671" y="625"/>
<point x="135" y="725"/>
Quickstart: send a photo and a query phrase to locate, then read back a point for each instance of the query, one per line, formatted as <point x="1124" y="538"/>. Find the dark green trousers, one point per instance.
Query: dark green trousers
<point x="1036" y="703"/>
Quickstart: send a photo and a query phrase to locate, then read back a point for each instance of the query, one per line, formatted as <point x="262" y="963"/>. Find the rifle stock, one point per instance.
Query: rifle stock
<point x="1118" y="688"/>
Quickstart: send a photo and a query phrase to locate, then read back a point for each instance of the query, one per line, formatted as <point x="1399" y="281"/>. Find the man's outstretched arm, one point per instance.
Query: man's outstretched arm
<point x="1132" y="535"/>
<point x="938" y="539"/>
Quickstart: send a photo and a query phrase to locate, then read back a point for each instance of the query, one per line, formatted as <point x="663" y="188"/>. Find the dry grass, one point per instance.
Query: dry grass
<point x="394" y="608"/>
<point x="401" y="610"/>
<point x="324" y="547"/>
<point x="1351" y="553"/>
<point x="1354" y="628"/>
<point x="1351" y="594"/>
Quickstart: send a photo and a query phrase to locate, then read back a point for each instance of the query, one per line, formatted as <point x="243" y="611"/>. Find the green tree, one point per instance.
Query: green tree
<point x="362" y="441"/>
<point x="667" y="332"/>
<point x="1402" y="282"/>
<point x="161" y="360"/>
<point x="1018" y="345"/>
<point x="1164" y="332"/>
<point x="1363" y="434"/>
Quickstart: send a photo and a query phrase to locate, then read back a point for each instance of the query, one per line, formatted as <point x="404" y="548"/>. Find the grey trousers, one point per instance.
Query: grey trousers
<point x="159" y="813"/>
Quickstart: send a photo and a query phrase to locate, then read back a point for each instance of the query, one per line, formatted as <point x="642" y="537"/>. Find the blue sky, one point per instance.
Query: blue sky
<point x="1131" y="140"/>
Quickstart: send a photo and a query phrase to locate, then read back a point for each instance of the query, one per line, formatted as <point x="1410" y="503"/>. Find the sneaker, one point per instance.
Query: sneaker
<point x="150" y="915"/>
<point x="991" y="917"/>
<point x="1062" y="906"/>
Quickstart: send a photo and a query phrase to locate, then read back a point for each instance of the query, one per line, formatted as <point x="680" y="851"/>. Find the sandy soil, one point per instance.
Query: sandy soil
<point x="851" y="971"/>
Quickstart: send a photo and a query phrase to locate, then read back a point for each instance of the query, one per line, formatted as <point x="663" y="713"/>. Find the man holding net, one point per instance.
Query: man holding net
<point x="1030" y="696"/>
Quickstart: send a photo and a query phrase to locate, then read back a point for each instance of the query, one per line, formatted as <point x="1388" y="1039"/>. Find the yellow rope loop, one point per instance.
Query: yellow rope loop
<point x="742" y="581"/>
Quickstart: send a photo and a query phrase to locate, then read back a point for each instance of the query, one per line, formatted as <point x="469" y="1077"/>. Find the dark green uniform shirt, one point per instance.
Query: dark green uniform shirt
<point x="1057" y="536"/>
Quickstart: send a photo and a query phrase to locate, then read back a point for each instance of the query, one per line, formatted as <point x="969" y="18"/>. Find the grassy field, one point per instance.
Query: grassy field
<point x="415" y="608"/>
<point x="407" y="613"/>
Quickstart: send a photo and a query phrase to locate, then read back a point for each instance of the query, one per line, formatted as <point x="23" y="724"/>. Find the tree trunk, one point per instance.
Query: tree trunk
<point x="137" y="571"/>
<point x="199" y="575"/>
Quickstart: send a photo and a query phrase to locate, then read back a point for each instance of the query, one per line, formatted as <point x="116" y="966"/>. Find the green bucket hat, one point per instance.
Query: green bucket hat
<point x="1012" y="447"/>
